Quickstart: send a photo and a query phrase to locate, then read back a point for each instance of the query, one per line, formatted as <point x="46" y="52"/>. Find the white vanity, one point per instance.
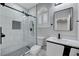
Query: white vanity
<point x="59" y="47"/>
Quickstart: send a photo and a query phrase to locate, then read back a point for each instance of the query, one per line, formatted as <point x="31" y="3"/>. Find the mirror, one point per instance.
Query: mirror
<point x="63" y="19"/>
<point x="43" y="20"/>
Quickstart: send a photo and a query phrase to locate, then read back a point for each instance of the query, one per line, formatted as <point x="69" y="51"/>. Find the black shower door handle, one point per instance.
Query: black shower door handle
<point x="2" y="35"/>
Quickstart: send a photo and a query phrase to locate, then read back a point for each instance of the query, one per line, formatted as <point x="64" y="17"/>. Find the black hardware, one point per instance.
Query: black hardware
<point x="51" y="24"/>
<point x="77" y="54"/>
<point x="3" y="4"/>
<point x="2" y="35"/>
<point x="77" y="21"/>
<point x="59" y="36"/>
<point x="66" y="51"/>
<point x="30" y="29"/>
<point x="58" y="4"/>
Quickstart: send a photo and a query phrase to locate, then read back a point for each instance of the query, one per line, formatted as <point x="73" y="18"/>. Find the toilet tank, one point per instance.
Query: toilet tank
<point x="41" y="40"/>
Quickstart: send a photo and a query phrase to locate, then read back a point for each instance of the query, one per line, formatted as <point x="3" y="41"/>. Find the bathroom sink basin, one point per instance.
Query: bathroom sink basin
<point x="68" y="42"/>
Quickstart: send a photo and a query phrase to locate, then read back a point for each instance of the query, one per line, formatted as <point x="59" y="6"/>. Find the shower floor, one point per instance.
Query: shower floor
<point x="41" y="53"/>
<point x="22" y="51"/>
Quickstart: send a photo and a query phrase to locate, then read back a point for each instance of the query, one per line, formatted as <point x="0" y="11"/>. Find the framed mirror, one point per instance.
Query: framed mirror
<point x="63" y="19"/>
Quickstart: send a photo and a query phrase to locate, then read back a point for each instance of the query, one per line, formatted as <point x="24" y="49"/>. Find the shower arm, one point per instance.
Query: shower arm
<point x="3" y="4"/>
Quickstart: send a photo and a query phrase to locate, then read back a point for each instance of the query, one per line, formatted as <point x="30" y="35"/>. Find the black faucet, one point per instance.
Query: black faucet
<point x="59" y="36"/>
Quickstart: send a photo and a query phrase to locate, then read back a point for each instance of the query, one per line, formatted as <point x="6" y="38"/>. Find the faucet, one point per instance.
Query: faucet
<point x="59" y="37"/>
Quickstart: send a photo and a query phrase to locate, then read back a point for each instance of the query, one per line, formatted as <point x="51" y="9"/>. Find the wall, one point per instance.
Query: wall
<point x="14" y="38"/>
<point x="65" y="34"/>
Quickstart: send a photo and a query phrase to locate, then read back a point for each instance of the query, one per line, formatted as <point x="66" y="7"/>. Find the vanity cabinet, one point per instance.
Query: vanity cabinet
<point x="73" y="52"/>
<point x="63" y="47"/>
<point x="57" y="50"/>
<point x="54" y="49"/>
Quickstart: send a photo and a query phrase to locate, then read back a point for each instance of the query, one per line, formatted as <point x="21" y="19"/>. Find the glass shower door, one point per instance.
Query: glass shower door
<point x="19" y="30"/>
<point x="32" y="25"/>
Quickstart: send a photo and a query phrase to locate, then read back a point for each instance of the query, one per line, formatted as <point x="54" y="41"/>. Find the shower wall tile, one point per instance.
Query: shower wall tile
<point x="14" y="38"/>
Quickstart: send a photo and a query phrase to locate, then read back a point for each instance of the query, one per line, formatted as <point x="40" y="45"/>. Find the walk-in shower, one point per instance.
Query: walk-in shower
<point x="20" y="29"/>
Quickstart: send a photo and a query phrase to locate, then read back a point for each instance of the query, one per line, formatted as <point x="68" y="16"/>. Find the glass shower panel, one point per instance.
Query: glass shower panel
<point x="33" y="25"/>
<point x="29" y="31"/>
<point x="16" y="40"/>
<point x="32" y="28"/>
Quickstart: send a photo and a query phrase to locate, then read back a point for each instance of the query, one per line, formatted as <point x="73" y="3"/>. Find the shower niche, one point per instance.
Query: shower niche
<point x="63" y="19"/>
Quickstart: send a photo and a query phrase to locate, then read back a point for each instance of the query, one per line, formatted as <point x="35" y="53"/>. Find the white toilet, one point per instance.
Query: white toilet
<point x="37" y="48"/>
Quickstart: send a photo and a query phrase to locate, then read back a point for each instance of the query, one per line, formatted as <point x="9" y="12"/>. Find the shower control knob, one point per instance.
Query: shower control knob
<point x="30" y="29"/>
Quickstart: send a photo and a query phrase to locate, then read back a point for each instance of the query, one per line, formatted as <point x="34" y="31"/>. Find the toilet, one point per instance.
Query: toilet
<point x="37" y="48"/>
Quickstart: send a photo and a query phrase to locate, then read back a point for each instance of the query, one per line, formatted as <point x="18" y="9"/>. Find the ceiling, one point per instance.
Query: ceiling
<point x="26" y="5"/>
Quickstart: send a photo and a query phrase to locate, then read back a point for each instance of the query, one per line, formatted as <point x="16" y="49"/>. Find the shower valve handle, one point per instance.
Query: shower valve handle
<point x="30" y="29"/>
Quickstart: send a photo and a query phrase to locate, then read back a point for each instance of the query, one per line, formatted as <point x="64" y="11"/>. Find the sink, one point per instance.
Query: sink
<point x="68" y="42"/>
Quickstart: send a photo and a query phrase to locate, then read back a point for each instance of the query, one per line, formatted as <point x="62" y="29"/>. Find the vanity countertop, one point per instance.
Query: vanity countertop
<point x="64" y="42"/>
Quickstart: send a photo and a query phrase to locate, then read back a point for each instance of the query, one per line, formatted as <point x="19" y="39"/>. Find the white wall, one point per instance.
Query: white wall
<point x="14" y="38"/>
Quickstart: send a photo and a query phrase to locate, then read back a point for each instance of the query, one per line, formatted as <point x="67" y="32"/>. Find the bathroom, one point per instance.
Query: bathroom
<point x="39" y="29"/>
